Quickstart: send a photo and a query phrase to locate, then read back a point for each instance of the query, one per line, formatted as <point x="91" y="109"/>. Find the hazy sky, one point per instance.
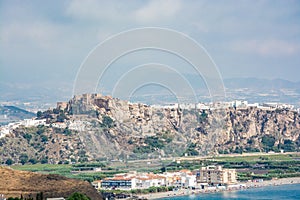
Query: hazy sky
<point x="46" y="41"/>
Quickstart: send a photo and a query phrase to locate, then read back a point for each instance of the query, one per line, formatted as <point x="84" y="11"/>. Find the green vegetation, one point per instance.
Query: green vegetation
<point x="251" y="167"/>
<point x="35" y="137"/>
<point x="61" y="117"/>
<point x="191" y="151"/>
<point x="79" y="171"/>
<point x="288" y="146"/>
<point x="107" y="122"/>
<point x="141" y="191"/>
<point x="202" y="117"/>
<point x="9" y="161"/>
<point x="152" y="143"/>
<point x="23" y="158"/>
<point x="78" y="196"/>
<point x="248" y="167"/>
<point x="268" y="142"/>
<point x="142" y="149"/>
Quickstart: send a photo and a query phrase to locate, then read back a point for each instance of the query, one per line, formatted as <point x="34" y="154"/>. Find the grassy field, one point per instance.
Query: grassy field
<point x="255" y="158"/>
<point x="65" y="170"/>
<point x="248" y="166"/>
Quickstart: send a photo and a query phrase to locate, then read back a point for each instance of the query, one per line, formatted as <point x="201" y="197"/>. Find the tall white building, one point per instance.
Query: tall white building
<point x="216" y="175"/>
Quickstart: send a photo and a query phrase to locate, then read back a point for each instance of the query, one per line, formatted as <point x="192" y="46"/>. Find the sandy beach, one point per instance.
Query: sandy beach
<point x="240" y="185"/>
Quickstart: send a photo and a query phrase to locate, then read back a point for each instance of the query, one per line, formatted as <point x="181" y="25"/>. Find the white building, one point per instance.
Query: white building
<point x="188" y="179"/>
<point x="183" y="178"/>
<point x="33" y="122"/>
<point x="4" y="131"/>
<point x="144" y="181"/>
<point x="202" y="106"/>
<point x="239" y="104"/>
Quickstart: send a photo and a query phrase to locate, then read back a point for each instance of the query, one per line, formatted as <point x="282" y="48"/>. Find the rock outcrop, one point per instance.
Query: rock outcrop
<point x="100" y="127"/>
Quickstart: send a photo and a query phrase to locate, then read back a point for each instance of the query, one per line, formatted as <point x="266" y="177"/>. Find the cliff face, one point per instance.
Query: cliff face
<point x="207" y="131"/>
<point x="97" y="127"/>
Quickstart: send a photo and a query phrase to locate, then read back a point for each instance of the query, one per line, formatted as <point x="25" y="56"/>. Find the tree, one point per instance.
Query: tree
<point x="44" y="138"/>
<point x="39" y="114"/>
<point x="61" y="117"/>
<point x="39" y="196"/>
<point x="44" y="160"/>
<point x="23" y="158"/>
<point x="27" y="136"/>
<point x="67" y="131"/>
<point x="32" y="161"/>
<point x="41" y="129"/>
<point x="9" y="161"/>
<point x="56" y="111"/>
<point x="191" y="150"/>
<point x="268" y="141"/>
<point x="289" y="145"/>
<point x="78" y="196"/>
<point x="107" y="122"/>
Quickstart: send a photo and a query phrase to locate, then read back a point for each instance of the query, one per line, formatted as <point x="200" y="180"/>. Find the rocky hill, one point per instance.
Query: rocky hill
<point x="28" y="184"/>
<point x="96" y="127"/>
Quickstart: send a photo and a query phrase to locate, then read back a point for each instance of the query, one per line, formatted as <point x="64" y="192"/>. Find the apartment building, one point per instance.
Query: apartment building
<point x="216" y="175"/>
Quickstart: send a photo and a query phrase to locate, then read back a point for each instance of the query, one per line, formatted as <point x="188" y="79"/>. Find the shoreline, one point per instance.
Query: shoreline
<point x="243" y="186"/>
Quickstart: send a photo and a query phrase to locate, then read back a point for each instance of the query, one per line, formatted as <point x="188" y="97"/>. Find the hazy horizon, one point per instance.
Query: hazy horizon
<point x="44" y="43"/>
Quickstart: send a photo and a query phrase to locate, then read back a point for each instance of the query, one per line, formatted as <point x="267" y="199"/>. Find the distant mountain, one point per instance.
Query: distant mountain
<point x="12" y="113"/>
<point x="263" y="90"/>
<point x="259" y="84"/>
<point x="35" y="97"/>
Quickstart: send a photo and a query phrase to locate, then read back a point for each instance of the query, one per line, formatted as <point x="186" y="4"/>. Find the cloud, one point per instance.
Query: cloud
<point x="38" y="34"/>
<point x="270" y="47"/>
<point x="65" y="31"/>
<point x="96" y="11"/>
<point x="156" y="11"/>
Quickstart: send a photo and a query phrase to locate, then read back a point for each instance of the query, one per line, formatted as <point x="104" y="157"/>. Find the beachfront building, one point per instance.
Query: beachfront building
<point x="173" y="179"/>
<point x="188" y="179"/>
<point x="119" y="181"/>
<point x="182" y="178"/>
<point x="215" y="175"/>
<point x="210" y="175"/>
<point x="146" y="180"/>
<point x="133" y="180"/>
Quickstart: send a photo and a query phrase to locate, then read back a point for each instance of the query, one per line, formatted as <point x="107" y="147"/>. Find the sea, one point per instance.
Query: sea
<point x="285" y="192"/>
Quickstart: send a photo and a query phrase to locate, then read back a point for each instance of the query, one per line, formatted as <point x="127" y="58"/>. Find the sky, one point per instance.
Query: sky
<point x="46" y="41"/>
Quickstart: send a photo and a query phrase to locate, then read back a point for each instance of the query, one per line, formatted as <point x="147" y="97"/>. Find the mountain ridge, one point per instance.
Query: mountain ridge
<point x="93" y="127"/>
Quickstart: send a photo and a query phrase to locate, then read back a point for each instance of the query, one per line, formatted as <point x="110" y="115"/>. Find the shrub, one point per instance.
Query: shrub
<point x="107" y="122"/>
<point x="9" y="161"/>
<point x="23" y="158"/>
<point x="154" y="142"/>
<point x="78" y="196"/>
<point x="32" y="161"/>
<point x="268" y="140"/>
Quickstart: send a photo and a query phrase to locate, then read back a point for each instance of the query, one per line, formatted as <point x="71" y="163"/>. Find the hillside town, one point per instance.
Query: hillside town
<point x="77" y="125"/>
